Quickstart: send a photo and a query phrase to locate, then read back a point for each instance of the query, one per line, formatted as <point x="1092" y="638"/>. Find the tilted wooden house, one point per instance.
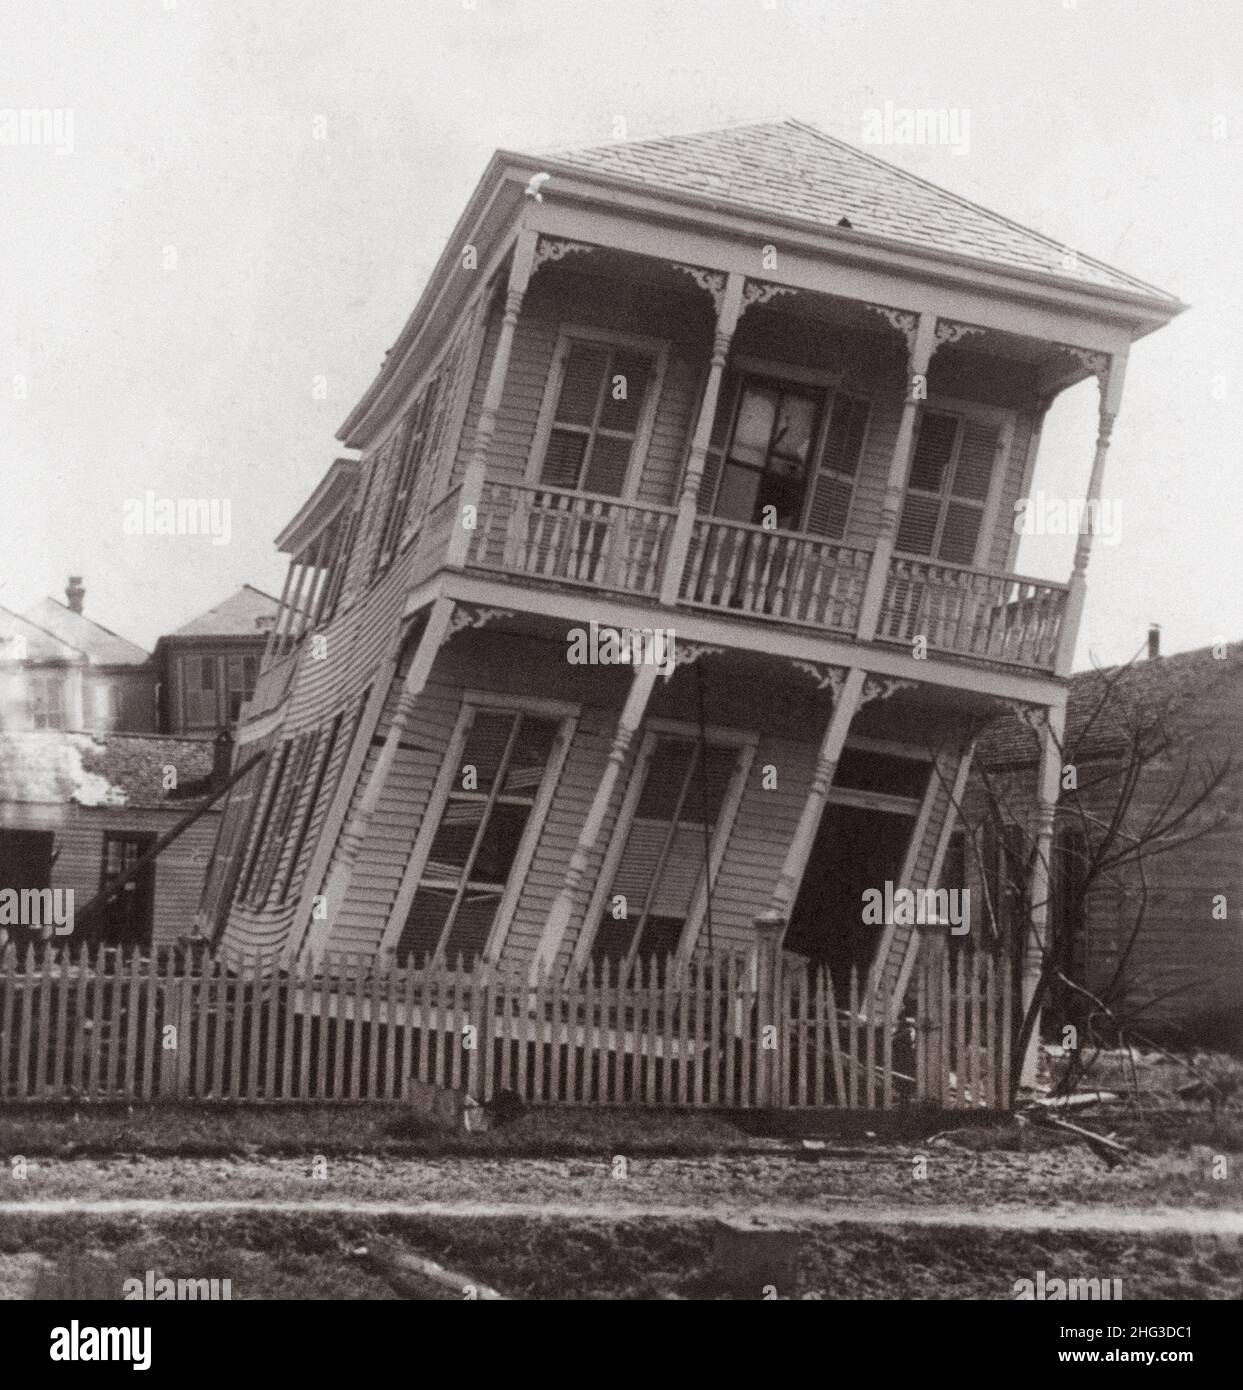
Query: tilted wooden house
<point x="754" y="388"/>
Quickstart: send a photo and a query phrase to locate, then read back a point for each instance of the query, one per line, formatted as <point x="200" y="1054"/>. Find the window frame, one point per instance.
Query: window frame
<point x="567" y="334"/>
<point x="478" y="701"/>
<point x="1004" y="419"/>
<point x="746" y="744"/>
<point x="49" y="684"/>
<point x="831" y="385"/>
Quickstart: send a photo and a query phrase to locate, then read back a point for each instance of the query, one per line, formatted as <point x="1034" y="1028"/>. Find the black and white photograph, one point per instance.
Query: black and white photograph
<point x="621" y="668"/>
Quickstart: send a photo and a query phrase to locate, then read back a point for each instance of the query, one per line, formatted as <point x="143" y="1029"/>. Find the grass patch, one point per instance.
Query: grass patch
<point x="282" y="1257"/>
<point x="231" y="1131"/>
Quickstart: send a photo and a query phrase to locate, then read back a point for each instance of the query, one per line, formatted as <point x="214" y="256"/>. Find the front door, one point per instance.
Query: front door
<point x="127" y="918"/>
<point x="856" y="848"/>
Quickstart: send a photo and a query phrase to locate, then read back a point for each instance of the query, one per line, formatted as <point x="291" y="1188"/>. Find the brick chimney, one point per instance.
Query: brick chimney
<point x="1154" y="641"/>
<point x="75" y="593"/>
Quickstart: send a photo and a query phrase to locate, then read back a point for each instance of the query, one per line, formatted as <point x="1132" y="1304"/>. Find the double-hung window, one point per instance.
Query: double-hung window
<point x="484" y="825"/>
<point x="669" y="837"/>
<point x="601" y="393"/>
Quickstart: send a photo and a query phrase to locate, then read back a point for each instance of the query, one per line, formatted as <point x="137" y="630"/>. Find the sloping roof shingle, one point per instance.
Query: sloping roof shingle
<point x="103" y="647"/>
<point x="242" y="614"/>
<point x="791" y="169"/>
<point x="1105" y="706"/>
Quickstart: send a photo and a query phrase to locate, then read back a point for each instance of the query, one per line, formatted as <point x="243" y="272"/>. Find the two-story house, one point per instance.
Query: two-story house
<point x="754" y="388"/>
<point x="209" y="666"/>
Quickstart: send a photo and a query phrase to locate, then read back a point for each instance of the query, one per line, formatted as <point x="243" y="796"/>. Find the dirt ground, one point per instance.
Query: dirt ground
<point x="619" y="1204"/>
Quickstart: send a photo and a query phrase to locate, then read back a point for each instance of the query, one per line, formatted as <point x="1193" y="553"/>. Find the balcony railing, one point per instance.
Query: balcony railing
<point x="783" y="575"/>
<point x="576" y="537"/>
<point x="997" y="617"/>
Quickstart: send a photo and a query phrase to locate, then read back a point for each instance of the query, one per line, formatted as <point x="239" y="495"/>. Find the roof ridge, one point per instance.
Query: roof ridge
<point x="94" y="622"/>
<point x="47" y="632"/>
<point x="959" y="198"/>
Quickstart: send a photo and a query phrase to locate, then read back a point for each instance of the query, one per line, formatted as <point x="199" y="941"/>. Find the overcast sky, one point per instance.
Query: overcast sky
<point x="256" y="193"/>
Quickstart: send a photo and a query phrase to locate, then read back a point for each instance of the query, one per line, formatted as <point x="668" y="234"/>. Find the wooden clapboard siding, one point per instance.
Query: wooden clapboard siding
<point x="1185" y="969"/>
<point x="180" y="871"/>
<point x="997" y="551"/>
<point x="358" y="923"/>
<point x="761" y="835"/>
<point x="580" y="776"/>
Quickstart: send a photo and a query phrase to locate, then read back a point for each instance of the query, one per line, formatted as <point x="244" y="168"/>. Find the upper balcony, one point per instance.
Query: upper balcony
<point x="755" y="376"/>
<point x="744" y="570"/>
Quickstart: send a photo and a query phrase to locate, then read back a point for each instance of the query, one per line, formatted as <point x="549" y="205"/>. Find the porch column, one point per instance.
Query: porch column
<point x="799" y="851"/>
<point x="641" y="685"/>
<point x="923" y="344"/>
<point x="728" y="313"/>
<point x="1036" y="937"/>
<point x="273" y="644"/>
<point x="521" y="266"/>
<point x="1110" y="380"/>
<point x="354" y="833"/>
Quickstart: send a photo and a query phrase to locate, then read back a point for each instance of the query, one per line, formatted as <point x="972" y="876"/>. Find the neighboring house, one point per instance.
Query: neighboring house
<point x="1160" y="941"/>
<point x="208" y="667"/>
<point x="61" y="670"/>
<point x="78" y="810"/>
<point x="754" y="387"/>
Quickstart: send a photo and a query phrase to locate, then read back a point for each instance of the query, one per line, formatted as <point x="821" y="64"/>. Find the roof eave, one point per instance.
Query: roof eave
<point x="355" y="431"/>
<point x="1162" y="306"/>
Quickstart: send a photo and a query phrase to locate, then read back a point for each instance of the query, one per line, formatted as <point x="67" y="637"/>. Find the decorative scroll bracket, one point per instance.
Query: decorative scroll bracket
<point x="950" y="332"/>
<point x="554" y="249"/>
<point x="761" y="291"/>
<point x="686" y="653"/>
<point x="903" y="320"/>
<point x="712" y="282"/>
<point x="826" y="677"/>
<point x="466" y="617"/>
<point x="1095" y="362"/>
<point x="883" y="687"/>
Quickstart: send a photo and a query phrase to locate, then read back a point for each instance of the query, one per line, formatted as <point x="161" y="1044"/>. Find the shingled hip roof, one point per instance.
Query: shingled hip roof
<point x="791" y="170"/>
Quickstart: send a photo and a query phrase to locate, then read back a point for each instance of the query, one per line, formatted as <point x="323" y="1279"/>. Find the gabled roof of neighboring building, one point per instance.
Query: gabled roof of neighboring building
<point x="1106" y="705"/>
<point x="789" y="169"/>
<point x="99" y="769"/>
<point x="247" y="613"/>
<point x="100" y="645"/>
<point x="40" y="644"/>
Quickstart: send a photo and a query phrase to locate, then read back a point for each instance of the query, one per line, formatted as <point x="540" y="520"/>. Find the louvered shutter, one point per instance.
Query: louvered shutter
<point x="951" y="473"/>
<point x="973" y="472"/>
<point x="834" y="485"/>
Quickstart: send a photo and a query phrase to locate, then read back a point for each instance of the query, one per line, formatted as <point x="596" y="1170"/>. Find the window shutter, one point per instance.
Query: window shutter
<point x="972" y="476"/>
<point x="947" y="490"/>
<point x="834" y="486"/>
